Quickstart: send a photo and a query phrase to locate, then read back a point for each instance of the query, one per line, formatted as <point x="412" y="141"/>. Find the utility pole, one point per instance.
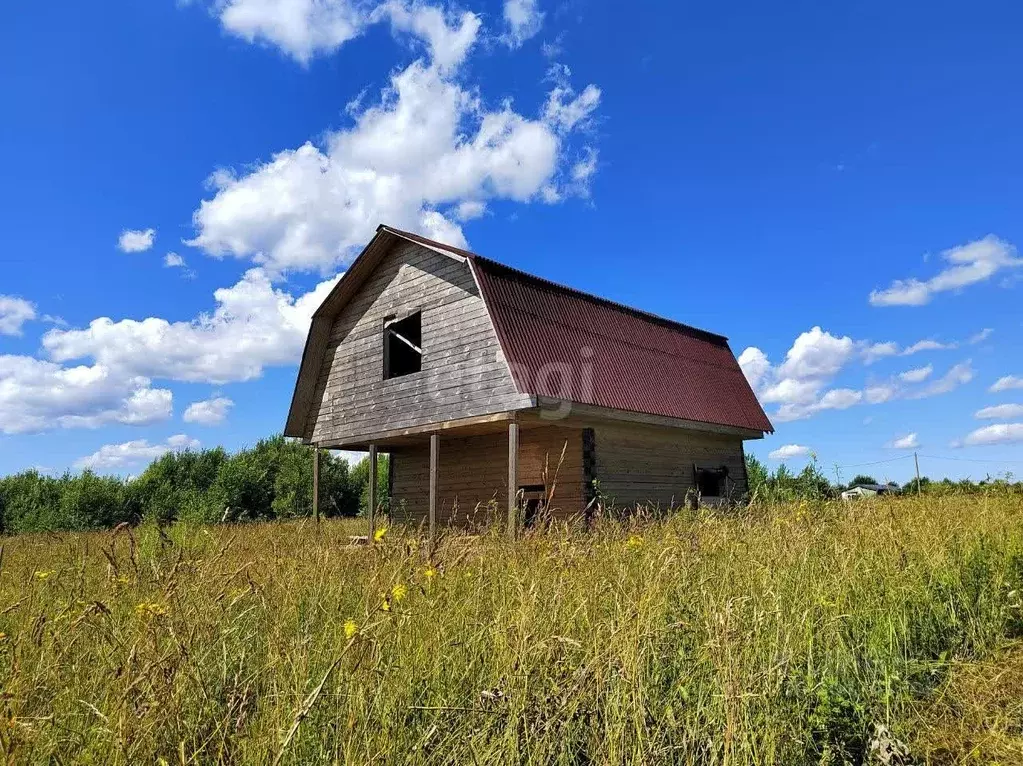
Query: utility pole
<point x="916" y="462"/>
<point x="372" y="504"/>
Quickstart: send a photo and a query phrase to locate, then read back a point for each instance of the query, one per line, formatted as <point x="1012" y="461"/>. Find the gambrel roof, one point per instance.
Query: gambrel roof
<point x="639" y="362"/>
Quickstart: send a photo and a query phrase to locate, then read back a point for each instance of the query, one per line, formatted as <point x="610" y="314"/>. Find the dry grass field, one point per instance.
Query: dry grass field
<point x="779" y="635"/>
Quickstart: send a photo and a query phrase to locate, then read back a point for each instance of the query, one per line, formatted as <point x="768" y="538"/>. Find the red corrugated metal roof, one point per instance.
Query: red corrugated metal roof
<point x="571" y="345"/>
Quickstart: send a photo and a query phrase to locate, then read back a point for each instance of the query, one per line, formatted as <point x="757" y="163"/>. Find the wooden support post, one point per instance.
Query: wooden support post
<point x="513" y="479"/>
<point x="434" y="455"/>
<point x="916" y="462"/>
<point x="372" y="504"/>
<point x="316" y="483"/>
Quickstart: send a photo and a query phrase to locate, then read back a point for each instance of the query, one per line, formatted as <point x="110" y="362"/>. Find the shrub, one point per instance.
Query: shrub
<point x="272" y="480"/>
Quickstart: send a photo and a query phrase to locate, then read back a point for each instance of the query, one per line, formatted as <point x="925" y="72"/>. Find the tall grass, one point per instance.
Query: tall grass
<point x="779" y="635"/>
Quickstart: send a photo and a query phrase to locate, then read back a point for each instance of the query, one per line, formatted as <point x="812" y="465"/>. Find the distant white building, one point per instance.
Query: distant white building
<point x="858" y="491"/>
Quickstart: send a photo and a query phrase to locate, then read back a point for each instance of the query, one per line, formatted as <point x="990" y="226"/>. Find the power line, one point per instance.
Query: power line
<point x="875" y="462"/>
<point x="970" y="460"/>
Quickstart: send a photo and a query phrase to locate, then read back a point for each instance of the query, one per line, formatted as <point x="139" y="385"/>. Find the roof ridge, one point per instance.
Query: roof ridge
<point x="560" y="287"/>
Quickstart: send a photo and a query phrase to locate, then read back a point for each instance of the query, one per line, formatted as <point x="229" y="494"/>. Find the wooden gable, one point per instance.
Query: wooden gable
<point x="464" y="372"/>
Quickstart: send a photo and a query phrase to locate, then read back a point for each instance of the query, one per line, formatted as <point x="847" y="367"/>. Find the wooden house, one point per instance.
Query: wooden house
<point x="488" y="385"/>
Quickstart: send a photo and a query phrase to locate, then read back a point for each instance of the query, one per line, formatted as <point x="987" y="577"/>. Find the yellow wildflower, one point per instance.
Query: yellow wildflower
<point x="351" y="628"/>
<point x="150" y="609"/>
<point x="398" y="592"/>
<point x="430" y="572"/>
<point x="634" y="542"/>
<point x="380" y="534"/>
<point x="386" y="606"/>
<point x="43" y="574"/>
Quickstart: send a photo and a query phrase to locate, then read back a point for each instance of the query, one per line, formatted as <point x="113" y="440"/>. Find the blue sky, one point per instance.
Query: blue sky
<point x="827" y="186"/>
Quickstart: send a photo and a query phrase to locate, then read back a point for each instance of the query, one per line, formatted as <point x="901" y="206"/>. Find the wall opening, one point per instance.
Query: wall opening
<point x="710" y="482"/>
<point x="403" y="340"/>
<point x="534" y="502"/>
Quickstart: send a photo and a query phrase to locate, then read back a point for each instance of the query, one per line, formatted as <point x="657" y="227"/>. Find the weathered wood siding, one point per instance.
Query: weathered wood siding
<point x="474" y="471"/>
<point x="464" y="373"/>
<point x="651" y="465"/>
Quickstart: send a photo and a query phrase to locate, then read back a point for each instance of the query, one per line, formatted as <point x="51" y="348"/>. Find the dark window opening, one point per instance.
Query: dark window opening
<point x="403" y="340"/>
<point x="534" y="501"/>
<point x="711" y="481"/>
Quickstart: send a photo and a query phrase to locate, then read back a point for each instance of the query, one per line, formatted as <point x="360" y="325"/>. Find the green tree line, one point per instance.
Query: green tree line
<point x="811" y="483"/>
<point x="272" y="480"/>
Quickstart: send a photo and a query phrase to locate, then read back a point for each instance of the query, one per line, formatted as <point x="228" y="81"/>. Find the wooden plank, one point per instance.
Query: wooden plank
<point x="445" y="253"/>
<point x="316" y="484"/>
<point x="446" y="425"/>
<point x="513" y="478"/>
<point x="434" y="457"/>
<point x="437" y="386"/>
<point x="303" y="396"/>
<point x="372" y="505"/>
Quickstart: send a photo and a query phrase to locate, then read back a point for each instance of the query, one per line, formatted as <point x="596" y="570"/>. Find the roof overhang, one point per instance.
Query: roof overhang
<point x="549" y="409"/>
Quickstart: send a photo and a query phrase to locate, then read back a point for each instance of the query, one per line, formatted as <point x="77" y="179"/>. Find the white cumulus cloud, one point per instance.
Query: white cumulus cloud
<point x="815" y="354"/>
<point x="798" y="384"/>
<point x="873" y="352"/>
<point x="470" y="209"/>
<point x="789" y="451"/>
<point x="803" y="384"/>
<point x="999" y="433"/>
<point x="304" y="29"/>
<point x="114" y="456"/>
<point x="300" y="28"/>
<point x="136" y="241"/>
<point x="254" y="325"/>
<point x="14" y="312"/>
<point x="448" y="37"/>
<point x="916" y="375"/>
<point x="1000" y="412"/>
<point x="928" y="345"/>
<point x="173" y="261"/>
<point x="969" y="264"/>
<point x="410" y="161"/>
<point x="1006" y="383"/>
<point x="981" y="336"/>
<point x="427" y="146"/>
<point x="878" y="393"/>
<point x="755" y="366"/>
<point x="909" y="441"/>
<point x="37" y="395"/>
<point x="209" y="412"/>
<point x="957" y="375"/>
<point x="565" y="110"/>
<point x="522" y="19"/>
